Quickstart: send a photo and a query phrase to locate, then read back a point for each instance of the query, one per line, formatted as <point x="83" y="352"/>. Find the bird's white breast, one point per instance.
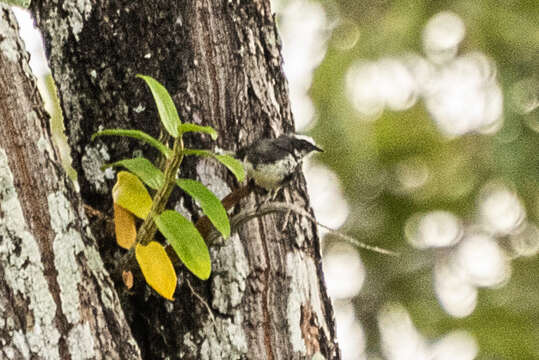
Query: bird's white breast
<point x="270" y="176"/>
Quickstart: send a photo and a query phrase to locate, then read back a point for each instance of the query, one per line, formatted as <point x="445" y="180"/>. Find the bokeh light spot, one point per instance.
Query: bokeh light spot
<point x="346" y="35"/>
<point x="327" y="199"/>
<point x="371" y="86"/>
<point x="500" y="209"/>
<point x="350" y="333"/>
<point x="304" y="30"/>
<point x="361" y="82"/>
<point x="525" y="241"/>
<point x="457" y="345"/>
<point x="442" y="36"/>
<point x="343" y="270"/>
<point x="456" y="295"/>
<point x="433" y="229"/>
<point x="411" y="175"/>
<point x="399" y="337"/>
<point x="464" y="96"/>
<point x="525" y="96"/>
<point x="397" y="86"/>
<point x="483" y="261"/>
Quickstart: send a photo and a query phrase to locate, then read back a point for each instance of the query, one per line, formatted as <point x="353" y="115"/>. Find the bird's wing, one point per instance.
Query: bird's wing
<point x="266" y="151"/>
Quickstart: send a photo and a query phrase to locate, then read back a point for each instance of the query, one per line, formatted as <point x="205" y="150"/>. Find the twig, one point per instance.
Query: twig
<point x="274" y="207"/>
<point x="202" y="301"/>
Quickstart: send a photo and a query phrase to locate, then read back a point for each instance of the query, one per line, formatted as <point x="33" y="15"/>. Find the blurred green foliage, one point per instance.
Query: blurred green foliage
<point x="364" y="153"/>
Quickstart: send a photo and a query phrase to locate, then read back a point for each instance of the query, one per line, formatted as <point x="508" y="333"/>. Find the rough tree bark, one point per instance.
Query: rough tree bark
<point x="56" y="299"/>
<point x="221" y="61"/>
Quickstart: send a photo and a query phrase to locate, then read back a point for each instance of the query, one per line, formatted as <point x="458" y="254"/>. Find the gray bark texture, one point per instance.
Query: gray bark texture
<point x="221" y="61"/>
<point x="56" y="298"/>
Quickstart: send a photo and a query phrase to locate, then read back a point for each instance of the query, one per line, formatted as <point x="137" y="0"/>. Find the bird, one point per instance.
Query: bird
<point x="271" y="163"/>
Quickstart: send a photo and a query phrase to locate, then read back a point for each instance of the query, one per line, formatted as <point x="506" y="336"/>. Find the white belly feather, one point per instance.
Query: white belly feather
<point x="270" y="176"/>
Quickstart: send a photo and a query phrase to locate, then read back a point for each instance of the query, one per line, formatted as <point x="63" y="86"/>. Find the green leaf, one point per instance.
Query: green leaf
<point x="234" y="165"/>
<point x="144" y="169"/>
<point x="137" y="134"/>
<point x="189" y="127"/>
<point x="165" y="106"/>
<point x="210" y="204"/>
<point x="186" y="241"/>
<point x="130" y="193"/>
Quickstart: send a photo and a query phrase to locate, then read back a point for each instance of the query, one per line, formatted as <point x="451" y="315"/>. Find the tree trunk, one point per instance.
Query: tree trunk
<point x="56" y="299"/>
<point x="221" y="61"/>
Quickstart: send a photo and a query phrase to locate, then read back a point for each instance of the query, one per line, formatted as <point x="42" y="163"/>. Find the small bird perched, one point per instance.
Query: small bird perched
<point x="273" y="162"/>
<point x="270" y="163"/>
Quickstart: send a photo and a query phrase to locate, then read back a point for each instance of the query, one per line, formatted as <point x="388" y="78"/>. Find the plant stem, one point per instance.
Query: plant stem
<point x="148" y="228"/>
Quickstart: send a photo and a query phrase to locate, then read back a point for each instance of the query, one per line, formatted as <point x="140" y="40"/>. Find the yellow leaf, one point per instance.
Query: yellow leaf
<point x="130" y="193"/>
<point x="157" y="268"/>
<point x="124" y="226"/>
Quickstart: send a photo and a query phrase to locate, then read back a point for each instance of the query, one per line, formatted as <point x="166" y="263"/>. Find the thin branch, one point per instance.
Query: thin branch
<point x="276" y="207"/>
<point x="202" y="301"/>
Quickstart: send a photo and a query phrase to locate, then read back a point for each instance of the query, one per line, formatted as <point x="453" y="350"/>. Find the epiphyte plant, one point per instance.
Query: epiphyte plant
<point x="131" y="198"/>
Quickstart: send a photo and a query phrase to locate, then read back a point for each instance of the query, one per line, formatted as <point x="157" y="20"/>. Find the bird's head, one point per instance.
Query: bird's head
<point x="303" y="145"/>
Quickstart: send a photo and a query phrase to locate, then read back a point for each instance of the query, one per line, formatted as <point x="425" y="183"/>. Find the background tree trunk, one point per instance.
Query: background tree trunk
<point x="221" y="62"/>
<point x="56" y="299"/>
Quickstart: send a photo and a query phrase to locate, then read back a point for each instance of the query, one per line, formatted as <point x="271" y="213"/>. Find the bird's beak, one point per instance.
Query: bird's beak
<point x="317" y="148"/>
